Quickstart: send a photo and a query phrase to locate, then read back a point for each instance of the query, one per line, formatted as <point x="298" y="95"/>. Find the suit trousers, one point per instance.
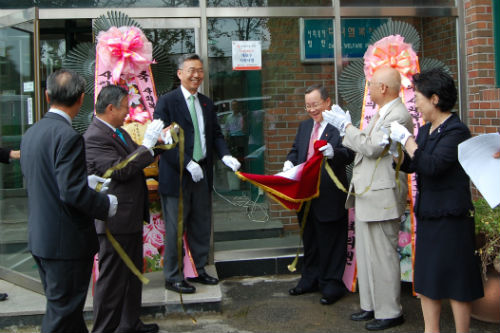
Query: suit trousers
<point x="117" y="296"/>
<point x="65" y="283"/>
<point x="197" y="226"/>
<point x="325" y="247"/>
<point x="379" y="274"/>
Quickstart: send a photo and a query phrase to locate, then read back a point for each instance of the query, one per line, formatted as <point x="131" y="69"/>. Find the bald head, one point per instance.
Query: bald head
<point x="391" y="78"/>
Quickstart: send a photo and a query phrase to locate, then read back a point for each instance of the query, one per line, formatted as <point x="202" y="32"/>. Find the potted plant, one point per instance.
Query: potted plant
<point x="487" y="222"/>
<point x="488" y="230"/>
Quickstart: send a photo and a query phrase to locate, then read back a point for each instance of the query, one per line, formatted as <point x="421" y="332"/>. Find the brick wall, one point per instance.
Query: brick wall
<point x="484" y="97"/>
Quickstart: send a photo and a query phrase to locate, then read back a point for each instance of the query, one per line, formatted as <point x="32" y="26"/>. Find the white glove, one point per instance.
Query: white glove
<point x="113" y="205"/>
<point x="231" y="162"/>
<point x="152" y="133"/>
<point x="393" y="148"/>
<point x="399" y="133"/>
<point x="327" y="150"/>
<point x="93" y="180"/>
<point x="338" y="118"/>
<point x="287" y="166"/>
<point x="385" y="140"/>
<point x="166" y="135"/>
<point x="195" y="170"/>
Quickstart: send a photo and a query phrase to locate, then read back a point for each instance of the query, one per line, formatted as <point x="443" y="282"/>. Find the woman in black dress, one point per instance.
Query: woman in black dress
<point x="445" y="264"/>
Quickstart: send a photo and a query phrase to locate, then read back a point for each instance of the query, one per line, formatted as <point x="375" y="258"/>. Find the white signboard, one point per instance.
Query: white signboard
<point x="247" y="55"/>
<point x="28" y="86"/>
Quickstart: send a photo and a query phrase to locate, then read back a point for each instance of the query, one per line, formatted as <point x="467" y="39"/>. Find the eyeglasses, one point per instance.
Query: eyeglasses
<point x="313" y="106"/>
<point x="191" y="71"/>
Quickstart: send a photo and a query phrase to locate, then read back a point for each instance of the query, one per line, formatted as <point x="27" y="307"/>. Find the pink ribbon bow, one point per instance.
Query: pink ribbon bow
<point x="125" y="50"/>
<point x="392" y="51"/>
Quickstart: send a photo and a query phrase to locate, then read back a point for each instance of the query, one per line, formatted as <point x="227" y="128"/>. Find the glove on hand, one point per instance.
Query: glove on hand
<point x="94" y="180"/>
<point x="327" y="150"/>
<point x="152" y="133"/>
<point x="287" y="166"/>
<point x="195" y="170"/>
<point x="231" y="162"/>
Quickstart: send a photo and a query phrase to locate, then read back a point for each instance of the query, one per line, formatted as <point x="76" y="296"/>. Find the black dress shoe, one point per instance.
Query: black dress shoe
<point x="180" y="287"/>
<point x="147" y="328"/>
<point x="362" y="315"/>
<point x="3" y="297"/>
<point x="204" y="278"/>
<point x="327" y="300"/>
<point x="299" y="291"/>
<point x="382" y="324"/>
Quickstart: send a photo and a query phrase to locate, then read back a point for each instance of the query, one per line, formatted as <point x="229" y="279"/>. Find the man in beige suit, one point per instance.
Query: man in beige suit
<point x="380" y="208"/>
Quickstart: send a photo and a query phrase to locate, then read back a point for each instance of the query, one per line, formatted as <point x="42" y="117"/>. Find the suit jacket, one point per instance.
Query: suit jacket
<point x="172" y="107"/>
<point x="61" y="206"/>
<point x="105" y="149"/>
<point x="329" y="206"/>
<point x="4" y="155"/>
<point x="384" y="200"/>
<point x="443" y="186"/>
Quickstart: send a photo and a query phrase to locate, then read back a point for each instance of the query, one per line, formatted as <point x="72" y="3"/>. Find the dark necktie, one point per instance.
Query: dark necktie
<point x="120" y="134"/>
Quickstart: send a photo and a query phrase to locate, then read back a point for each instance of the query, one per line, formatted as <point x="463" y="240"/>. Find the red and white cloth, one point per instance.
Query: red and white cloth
<point x="292" y="187"/>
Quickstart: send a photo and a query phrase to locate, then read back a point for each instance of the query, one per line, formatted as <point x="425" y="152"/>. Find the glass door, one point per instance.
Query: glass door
<point x="19" y="109"/>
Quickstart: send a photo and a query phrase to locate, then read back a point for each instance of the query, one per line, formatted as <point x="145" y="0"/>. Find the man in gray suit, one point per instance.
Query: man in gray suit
<point x="380" y="208"/>
<point x="62" y="207"/>
<point x="117" y="297"/>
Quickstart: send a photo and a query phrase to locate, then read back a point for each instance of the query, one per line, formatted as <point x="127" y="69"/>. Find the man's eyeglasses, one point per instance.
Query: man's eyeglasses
<point x="191" y="71"/>
<point x="313" y="106"/>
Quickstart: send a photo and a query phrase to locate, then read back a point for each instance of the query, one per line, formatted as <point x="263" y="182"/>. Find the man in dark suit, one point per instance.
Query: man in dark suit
<point x="194" y="113"/>
<point x="117" y="296"/>
<point x="325" y="232"/>
<point x="62" y="207"/>
<point x="6" y="155"/>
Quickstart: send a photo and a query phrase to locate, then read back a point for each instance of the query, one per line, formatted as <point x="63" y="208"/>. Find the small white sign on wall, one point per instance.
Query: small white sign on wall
<point x="247" y="55"/>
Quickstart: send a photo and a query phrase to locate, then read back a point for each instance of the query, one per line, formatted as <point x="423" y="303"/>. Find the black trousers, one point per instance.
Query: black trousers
<point x="65" y="283"/>
<point x="325" y="250"/>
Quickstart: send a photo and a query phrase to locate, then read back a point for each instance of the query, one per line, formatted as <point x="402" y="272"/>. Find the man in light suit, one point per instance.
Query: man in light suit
<point x="380" y="208"/>
<point x="325" y="232"/>
<point x="117" y="297"/>
<point x="62" y="207"/>
<point x="195" y="113"/>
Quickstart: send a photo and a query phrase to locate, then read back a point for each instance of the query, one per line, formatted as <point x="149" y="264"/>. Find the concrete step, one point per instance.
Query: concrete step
<point x="25" y="307"/>
<point x="256" y="257"/>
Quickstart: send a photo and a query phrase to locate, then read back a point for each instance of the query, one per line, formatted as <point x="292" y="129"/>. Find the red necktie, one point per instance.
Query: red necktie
<point x="314" y="137"/>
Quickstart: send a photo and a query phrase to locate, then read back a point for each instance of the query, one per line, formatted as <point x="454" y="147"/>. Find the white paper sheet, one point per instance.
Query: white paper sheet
<point x="476" y="157"/>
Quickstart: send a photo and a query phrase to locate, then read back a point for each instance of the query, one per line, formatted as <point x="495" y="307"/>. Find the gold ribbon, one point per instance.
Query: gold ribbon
<point x="292" y="267"/>
<point x="341" y="187"/>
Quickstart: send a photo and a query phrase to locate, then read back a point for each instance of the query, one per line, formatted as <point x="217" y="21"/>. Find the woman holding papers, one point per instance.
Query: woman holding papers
<point x="445" y="264"/>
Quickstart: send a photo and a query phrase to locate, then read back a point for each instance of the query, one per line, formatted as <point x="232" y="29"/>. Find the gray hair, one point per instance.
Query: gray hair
<point x="65" y="87"/>
<point x="322" y="91"/>
<point x="186" y="57"/>
<point x="111" y="94"/>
